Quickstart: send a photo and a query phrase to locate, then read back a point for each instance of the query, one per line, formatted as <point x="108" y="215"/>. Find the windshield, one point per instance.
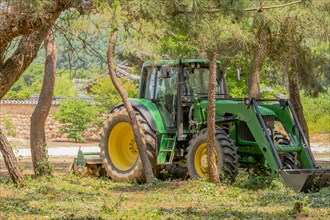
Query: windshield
<point x="199" y="81"/>
<point x="195" y="81"/>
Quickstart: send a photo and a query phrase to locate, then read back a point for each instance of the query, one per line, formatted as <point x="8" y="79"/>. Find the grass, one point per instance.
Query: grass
<point x="72" y="197"/>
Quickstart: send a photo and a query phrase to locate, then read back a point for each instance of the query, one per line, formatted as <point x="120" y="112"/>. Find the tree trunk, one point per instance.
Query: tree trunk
<point x="33" y="31"/>
<point x="295" y="99"/>
<point x="38" y="119"/>
<point x="131" y="113"/>
<point x="257" y="63"/>
<point x="10" y="159"/>
<point x="10" y="72"/>
<point x="211" y="159"/>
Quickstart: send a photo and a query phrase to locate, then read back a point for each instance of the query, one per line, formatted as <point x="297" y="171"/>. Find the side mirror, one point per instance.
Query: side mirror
<point x="239" y="74"/>
<point x="166" y="71"/>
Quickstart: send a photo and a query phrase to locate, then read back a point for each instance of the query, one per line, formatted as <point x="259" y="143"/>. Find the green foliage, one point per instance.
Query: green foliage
<point x="20" y="95"/>
<point x="272" y="91"/>
<point x="237" y="89"/>
<point x="43" y="168"/>
<point x="64" y="87"/>
<point x="31" y="82"/>
<point x="255" y="182"/>
<point x="9" y="126"/>
<point x="106" y="95"/>
<point x="317" y="112"/>
<point x="77" y="115"/>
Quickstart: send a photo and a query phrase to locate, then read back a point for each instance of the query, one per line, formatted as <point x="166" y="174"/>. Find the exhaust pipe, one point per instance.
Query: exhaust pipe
<point x="306" y="180"/>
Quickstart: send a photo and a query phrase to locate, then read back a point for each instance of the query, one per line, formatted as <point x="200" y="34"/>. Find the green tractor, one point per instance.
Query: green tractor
<point x="172" y="112"/>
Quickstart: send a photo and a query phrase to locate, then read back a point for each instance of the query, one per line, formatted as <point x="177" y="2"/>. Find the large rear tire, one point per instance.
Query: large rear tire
<point x="226" y="156"/>
<point x="119" y="152"/>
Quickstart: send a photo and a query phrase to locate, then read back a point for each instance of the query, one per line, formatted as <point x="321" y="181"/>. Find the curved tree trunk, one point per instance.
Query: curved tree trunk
<point x="257" y="63"/>
<point x="37" y="130"/>
<point x="212" y="164"/>
<point x="295" y="99"/>
<point x="131" y="113"/>
<point x="10" y="159"/>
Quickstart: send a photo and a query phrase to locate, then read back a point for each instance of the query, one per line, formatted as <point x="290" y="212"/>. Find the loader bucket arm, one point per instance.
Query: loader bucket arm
<point x="248" y="111"/>
<point x="300" y="180"/>
<point x="288" y="117"/>
<point x="311" y="177"/>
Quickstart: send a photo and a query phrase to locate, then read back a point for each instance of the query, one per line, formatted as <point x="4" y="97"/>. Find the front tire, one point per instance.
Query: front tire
<point x="289" y="159"/>
<point x="119" y="152"/>
<point x="226" y="156"/>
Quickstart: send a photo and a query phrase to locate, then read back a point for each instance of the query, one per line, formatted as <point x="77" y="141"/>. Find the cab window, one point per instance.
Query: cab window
<point x="149" y="76"/>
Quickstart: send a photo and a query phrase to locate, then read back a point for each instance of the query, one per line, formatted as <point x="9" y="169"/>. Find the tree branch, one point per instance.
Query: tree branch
<point x="25" y="53"/>
<point x="17" y="20"/>
<point x="22" y="21"/>
<point x="217" y="10"/>
<point x="272" y="6"/>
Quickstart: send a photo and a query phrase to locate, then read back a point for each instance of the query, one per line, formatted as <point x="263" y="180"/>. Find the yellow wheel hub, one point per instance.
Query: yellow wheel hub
<point x="122" y="148"/>
<point x="200" y="161"/>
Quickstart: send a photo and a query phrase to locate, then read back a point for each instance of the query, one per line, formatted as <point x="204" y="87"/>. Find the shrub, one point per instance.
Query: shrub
<point x="76" y="115"/>
<point x="317" y="112"/>
<point x="9" y="126"/>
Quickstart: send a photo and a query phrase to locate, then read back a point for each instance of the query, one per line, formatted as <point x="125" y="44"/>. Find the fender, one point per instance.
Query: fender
<point x="149" y="112"/>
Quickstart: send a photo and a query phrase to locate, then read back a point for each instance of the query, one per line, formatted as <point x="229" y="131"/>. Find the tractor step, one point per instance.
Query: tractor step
<point x="166" y="149"/>
<point x="305" y="180"/>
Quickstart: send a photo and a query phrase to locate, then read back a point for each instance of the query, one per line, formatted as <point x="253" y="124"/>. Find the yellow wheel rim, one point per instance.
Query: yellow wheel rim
<point x="122" y="148"/>
<point x="200" y="161"/>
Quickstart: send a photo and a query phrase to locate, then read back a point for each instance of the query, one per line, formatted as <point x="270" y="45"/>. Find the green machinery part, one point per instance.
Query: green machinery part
<point x="87" y="163"/>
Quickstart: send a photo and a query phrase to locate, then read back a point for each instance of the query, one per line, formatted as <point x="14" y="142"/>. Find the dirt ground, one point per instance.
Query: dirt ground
<point x="61" y="164"/>
<point x="320" y="138"/>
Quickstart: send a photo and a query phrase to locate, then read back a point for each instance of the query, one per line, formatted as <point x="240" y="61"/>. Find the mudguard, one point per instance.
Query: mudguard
<point x="149" y="112"/>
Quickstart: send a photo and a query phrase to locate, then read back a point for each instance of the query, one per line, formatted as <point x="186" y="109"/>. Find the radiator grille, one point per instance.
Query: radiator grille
<point x="269" y="120"/>
<point x="245" y="133"/>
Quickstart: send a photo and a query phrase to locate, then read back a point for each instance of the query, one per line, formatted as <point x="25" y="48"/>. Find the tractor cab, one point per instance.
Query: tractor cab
<point x="163" y="76"/>
<point x="173" y="86"/>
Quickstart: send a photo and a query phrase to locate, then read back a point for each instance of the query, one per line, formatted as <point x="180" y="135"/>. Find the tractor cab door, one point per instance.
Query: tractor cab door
<point x="167" y="94"/>
<point x="159" y="84"/>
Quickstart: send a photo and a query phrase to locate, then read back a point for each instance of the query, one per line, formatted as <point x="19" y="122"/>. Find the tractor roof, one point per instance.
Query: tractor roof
<point x="174" y="62"/>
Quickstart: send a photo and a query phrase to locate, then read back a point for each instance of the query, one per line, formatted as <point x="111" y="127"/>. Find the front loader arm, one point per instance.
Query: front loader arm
<point x="250" y="114"/>
<point x="311" y="176"/>
<point x="285" y="113"/>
